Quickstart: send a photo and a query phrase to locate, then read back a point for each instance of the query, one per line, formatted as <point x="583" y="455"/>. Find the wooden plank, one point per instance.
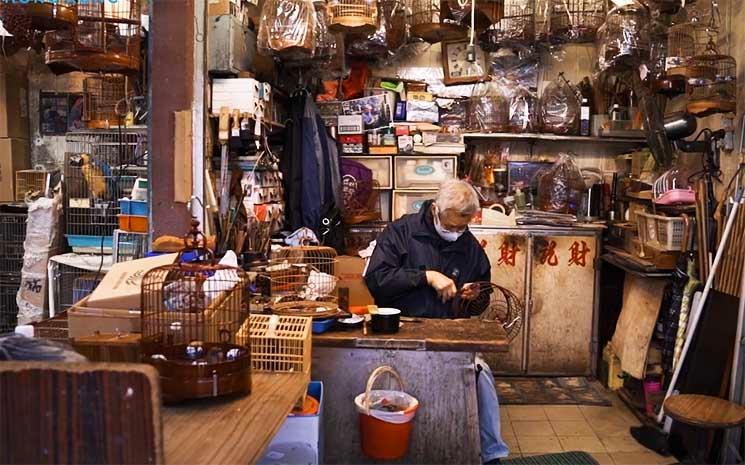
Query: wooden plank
<point x="446" y="426"/>
<point x="641" y="305"/>
<point x="182" y="162"/>
<point x="232" y="430"/>
<point x="463" y="335"/>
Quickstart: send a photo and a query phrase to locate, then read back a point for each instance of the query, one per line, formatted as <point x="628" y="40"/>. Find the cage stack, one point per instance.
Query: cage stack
<point x="302" y="281"/>
<point x="576" y="20"/>
<point x="355" y="16"/>
<point x="712" y="83"/>
<point x="26" y="20"/>
<point x="437" y="20"/>
<point x="516" y="26"/>
<point x="106" y="38"/>
<point x="101" y="96"/>
<point x="12" y="234"/>
<point x="73" y="277"/>
<point x="101" y="167"/>
<point x="191" y="314"/>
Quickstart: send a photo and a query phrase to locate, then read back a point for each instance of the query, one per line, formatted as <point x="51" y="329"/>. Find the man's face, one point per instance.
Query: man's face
<point x="453" y="220"/>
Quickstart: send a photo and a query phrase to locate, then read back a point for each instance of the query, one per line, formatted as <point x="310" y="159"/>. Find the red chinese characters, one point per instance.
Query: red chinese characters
<point x="579" y="251"/>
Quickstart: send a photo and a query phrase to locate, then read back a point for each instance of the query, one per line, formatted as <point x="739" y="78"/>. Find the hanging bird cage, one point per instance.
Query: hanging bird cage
<point x="303" y="281"/>
<point x="685" y="41"/>
<point x="576" y="20"/>
<point x="105" y="39"/>
<point x="494" y="304"/>
<point x="26" y="20"/>
<point x="191" y="312"/>
<point x="101" y="96"/>
<point x="624" y="38"/>
<point x="325" y="44"/>
<point x="357" y="16"/>
<point x="437" y="20"/>
<point x="361" y="200"/>
<point x="390" y="35"/>
<point x="287" y="29"/>
<point x="516" y="26"/>
<point x="712" y="83"/>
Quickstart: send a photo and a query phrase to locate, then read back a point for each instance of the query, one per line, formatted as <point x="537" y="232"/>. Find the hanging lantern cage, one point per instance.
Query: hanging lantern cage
<point x="437" y="20"/>
<point x="353" y="16"/>
<point x="191" y="312"/>
<point x="515" y="26"/>
<point x="685" y="41"/>
<point x="576" y="20"/>
<point x="388" y="37"/>
<point x="105" y="39"/>
<point x="712" y="83"/>
<point x="101" y="96"/>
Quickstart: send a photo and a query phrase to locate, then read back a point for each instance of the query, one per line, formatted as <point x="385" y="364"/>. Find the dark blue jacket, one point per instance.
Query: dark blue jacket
<point x="410" y="246"/>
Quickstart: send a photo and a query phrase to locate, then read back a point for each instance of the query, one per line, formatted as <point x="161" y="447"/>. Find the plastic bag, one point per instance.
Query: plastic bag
<point x="624" y="39"/>
<point x="560" y="189"/>
<point x="576" y="20"/>
<point x="391" y="34"/>
<point x="517" y="26"/>
<point x="453" y="115"/>
<point x="559" y="108"/>
<point x="489" y="109"/>
<point x="523" y="111"/>
<point x="390" y="406"/>
<point x="287" y="29"/>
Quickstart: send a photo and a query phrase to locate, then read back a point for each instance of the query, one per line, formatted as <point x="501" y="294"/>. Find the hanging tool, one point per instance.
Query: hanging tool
<point x="223" y="135"/>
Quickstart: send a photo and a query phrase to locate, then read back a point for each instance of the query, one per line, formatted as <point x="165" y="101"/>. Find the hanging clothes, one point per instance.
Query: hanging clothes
<point x="672" y="315"/>
<point x="291" y="163"/>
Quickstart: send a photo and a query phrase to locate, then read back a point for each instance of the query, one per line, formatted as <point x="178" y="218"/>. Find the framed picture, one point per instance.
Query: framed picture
<point x="457" y="69"/>
<point x="53" y="111"/>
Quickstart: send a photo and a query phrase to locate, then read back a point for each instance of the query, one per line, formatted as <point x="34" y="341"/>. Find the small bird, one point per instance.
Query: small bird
<point x="94" y="175"/>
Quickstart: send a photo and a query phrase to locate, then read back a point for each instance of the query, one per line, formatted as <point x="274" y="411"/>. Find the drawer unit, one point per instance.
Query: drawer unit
<point x="410" y="201"/>
<point x="424" y="172"/>
<point x="382" y="168"/>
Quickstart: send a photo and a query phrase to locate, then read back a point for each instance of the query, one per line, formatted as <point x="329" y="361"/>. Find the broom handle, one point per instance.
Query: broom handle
<point x="701" y="303"/>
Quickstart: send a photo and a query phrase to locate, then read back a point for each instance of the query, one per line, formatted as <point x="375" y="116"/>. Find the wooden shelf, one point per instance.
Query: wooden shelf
<point x="532" y="138"/>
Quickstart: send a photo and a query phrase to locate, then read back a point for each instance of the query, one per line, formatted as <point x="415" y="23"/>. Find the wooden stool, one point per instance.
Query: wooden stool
<point x="705" y="412"/>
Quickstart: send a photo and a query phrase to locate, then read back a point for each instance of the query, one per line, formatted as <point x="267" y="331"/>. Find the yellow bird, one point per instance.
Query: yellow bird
<point x="94" y="176"/>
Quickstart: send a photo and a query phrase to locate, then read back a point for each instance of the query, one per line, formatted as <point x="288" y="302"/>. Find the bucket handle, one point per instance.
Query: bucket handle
<point x="374" y="377"/>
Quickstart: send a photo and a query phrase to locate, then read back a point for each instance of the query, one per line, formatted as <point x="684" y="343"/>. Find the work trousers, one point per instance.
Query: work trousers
<point x="492" y="445"/>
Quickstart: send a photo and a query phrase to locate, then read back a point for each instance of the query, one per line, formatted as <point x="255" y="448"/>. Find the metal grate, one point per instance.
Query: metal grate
<point x="129" y="245"/>
<point x="12" y="236"/>
<point x="9" y="285"/>
<point x="71" y="284"/>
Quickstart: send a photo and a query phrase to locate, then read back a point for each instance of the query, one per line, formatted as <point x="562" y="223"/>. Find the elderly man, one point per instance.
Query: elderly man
<point x="423" y="264"/>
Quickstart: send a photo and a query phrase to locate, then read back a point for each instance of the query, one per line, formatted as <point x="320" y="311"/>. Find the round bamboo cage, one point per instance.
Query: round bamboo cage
<point x="105" y="39"/>
<point x="712" y="83"/>
<point x="356" y="16"/>
<point x="31" y="17"/>
<point x="576" y="20"/>
<point x="389" y="36"/>
<point x="685" y="41"/>
<point x="515" y="26"/>
<point x="437" y="20"/>
<point x="101" y="96"/>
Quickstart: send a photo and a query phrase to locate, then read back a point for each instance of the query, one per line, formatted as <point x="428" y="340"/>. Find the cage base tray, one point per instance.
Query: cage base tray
<point x="709" y="107"/>
<point x="49" y="17"/>
<point x="62" y="62"/>
<point x="437" y="32"/>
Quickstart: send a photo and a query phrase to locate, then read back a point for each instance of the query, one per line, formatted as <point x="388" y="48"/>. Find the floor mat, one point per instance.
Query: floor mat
<point x="566" y="458"/>
<point x="570" y="391"/>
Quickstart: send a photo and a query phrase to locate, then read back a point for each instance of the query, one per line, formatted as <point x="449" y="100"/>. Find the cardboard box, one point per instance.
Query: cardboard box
<point x="349" y="271"/>
<point x="14" y="156"/>
<point x="14" y="117"/>
<point x="86" y="320"/>
<point x="120" y="288"/>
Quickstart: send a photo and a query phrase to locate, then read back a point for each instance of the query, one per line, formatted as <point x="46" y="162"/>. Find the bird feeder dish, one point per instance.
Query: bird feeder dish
<point x="576" y="20"/>
<point x="353" y="16"/>
<point x="437" y="20"/>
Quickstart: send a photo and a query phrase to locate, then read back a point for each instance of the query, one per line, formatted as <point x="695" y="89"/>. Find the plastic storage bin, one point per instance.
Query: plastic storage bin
<point x="410" y="201"/>
<point x="664" y="232"/>
<point x="134" y="207"/>
<point x="133" y="223"/>
<point x="424" y="172"/>
<point x="302" y="429"/>
<point x="323" y="325"/>
<point x="381" y="166"/>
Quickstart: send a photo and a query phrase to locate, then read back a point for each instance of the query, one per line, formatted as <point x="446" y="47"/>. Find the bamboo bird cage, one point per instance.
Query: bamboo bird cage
<point x="712" y="83"/>
<point x="357" y="16"/>
<point x="576" y="20"/>
<point x="515" y="26"/>
<point x="101" y="96"/>
<point x="437" y="20"/>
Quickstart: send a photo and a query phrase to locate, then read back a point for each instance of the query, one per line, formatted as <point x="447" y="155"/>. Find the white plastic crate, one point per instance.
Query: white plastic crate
<point x="410" y="201"/>
<point x="664" y="232"/>
<point x="381" y="166"/>
<point x="424" y="172"/>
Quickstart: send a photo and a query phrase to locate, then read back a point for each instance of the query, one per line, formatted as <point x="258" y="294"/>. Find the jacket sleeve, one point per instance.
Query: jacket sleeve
<point x="484" y="275"/>
<point x="386" y="278"/>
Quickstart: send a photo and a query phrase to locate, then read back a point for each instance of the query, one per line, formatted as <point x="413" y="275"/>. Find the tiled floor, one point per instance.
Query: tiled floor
<point x="601" y="431"/>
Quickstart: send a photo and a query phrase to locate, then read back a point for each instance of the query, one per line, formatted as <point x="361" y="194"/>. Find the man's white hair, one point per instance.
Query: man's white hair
<point x="459" y="196"/>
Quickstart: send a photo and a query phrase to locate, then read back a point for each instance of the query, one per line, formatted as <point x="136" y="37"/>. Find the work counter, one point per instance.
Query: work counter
<point x="435" y="359"/>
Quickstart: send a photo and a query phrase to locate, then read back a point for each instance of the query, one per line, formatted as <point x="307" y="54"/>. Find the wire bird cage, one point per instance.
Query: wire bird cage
<point x="101" y="97"/>
<point x="73" y="277"/>
<point x="494" y="304"/>
<point x="12" y="235"/>
<point x="516" y="26"/>
<point x="129" y="246"/>
<point x="35" y="180"/>
<point x="106" y="38"/>
<point x="101" y="167"/>
<point x="361" y="200"/>
<point x="303" y="281"/>
<point x="437" y="20"/>
<point x="624" y="38"/>
<point x="712" y="84"/>
<point x="278" y="343"/>
<point x="9" y="286"/>
<point x="191" y="313"/>
<point x="576" y="20"/>
<point x="26" y="20"/>
<point x="685" y="41"/>
<point x="390" y="35"/>
<point x="357" y="16"/>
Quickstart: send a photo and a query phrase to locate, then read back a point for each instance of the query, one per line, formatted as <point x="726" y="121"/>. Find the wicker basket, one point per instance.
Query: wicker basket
<point x="662" y="232"/>
<point x="278" y="343"/>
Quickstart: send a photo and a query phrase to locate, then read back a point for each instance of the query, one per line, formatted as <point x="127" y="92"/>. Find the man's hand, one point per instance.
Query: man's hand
<point x="444" y="286"/>
<point x="469" y="291"/>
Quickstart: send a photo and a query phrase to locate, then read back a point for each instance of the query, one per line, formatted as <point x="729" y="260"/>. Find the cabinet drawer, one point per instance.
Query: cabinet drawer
<point x="424" y="172"/>
<point x="405" y="202"/>
<point x="382" y="168"/>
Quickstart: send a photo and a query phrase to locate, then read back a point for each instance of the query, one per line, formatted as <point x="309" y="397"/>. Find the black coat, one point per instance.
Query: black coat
<point x="410" y="246"/>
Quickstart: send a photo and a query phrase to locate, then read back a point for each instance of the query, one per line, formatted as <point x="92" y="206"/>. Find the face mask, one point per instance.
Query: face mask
<point x="449" y="236"/>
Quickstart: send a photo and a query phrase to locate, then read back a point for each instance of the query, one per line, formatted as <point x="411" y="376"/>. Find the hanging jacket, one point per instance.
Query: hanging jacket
<point x="409" y="247"/>
<point x="291" y="164"/>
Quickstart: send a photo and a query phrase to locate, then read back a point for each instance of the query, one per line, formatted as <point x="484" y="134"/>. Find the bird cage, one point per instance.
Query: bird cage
<point x="101" y="97"/>
<point x="287" y="29"/>
<point x="685" y="41"/>
<point x="712" y="83"/>
<point x="278" y="343"/>
<point x="516" y="26"/>
<point x="191" y="313"/>
<point x="495" y="304"/>
<point x="10" y="283"/>
<point x="361" y="200"/>
<point x="129" y="246"/>
<point x="489" y="113"/>
<point x="355" y="16"/>
<point x="624" y="38"/>
<point x="106" y="38"/>
<point x="101" y="167"/>
<point x="390" y="35"/>
<point x="35" y="180"/>
<point x="13" y="220"/>
<point x="303" y="281"/>
<point x="437" y="20"/>
<point x="72" y="277"/>
<point x="325" y="43"/>
<point x="25" y="21"/>
<point x="576" y="20"/>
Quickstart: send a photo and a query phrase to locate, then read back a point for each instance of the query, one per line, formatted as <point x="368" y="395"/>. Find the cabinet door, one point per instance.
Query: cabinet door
<point x="562" y="302"/>
<point x="507" y="254"/>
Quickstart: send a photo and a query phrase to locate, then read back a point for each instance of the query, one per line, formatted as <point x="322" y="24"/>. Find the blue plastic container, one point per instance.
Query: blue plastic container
<point x="90" y="242"/>
<point x="133" y="207"/>
<point x="321" y="326"/>
<point x="303" y="429"/>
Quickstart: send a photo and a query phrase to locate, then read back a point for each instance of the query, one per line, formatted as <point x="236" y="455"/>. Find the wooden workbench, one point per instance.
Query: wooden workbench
<point x="436" y="361"/>
<point x="232" y="430"/>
